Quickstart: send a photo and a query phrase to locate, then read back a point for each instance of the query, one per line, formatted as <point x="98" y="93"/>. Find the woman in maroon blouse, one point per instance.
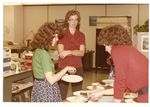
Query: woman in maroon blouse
<point x="131" y="66"/>
<point x="71" y="49"/>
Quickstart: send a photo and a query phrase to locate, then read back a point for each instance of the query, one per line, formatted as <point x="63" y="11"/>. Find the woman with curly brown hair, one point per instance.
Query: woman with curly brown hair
<point x="131" y="66"/>
<point x="71" y="49"/>
<point x="45" y="88"/>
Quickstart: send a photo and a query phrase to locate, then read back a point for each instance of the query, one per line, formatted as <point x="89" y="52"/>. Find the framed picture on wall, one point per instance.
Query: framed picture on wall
<point x="144" y="43"/>
<point x="92" y="20"/>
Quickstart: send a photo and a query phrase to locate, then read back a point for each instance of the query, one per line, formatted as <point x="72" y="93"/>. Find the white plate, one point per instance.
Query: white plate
<point x="108" y="92"/>
<point x="111" y="84"/>
<point x="129" y="101"/>
<point x="78" y="92"/>
<point x="108" y="81"/>
<point x="76" y="99"/>
<point x="97" y="88"/>
<point x="72" y="78"/>
<point x="130" y="95"/>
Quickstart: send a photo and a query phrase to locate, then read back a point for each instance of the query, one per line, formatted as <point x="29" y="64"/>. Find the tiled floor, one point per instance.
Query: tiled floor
<point x="89" y="77"/>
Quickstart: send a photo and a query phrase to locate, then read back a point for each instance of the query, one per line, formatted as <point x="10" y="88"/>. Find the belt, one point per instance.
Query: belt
<point x="142" y="90"/>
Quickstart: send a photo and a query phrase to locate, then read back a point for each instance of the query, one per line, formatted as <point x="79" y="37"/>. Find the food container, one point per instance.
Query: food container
<point x="6" y="60"/>
<point x="28" y="60"/>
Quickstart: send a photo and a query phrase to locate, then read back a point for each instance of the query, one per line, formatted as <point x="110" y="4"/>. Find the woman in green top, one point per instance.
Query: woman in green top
<point x="45" y="88"/>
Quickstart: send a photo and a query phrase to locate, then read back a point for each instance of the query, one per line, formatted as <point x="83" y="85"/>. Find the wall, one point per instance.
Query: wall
<point x="13" y="23"/>
<point x="34" y="16"/>
<point x="8" y="23"/>
<point x="18" y="24"/>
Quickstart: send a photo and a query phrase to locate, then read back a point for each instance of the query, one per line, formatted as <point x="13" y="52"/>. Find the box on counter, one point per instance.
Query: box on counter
<point x="6" y="59"/>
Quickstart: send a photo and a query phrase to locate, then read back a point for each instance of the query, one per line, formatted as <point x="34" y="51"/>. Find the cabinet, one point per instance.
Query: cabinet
<point x="101" y="55"/>
<point x="87" y="60"/>
<point x="9" y="78"/>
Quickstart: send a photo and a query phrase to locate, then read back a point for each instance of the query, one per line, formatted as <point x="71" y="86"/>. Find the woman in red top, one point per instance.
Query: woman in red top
<point x="131" y="66"/>
<point x="71" y="49"/>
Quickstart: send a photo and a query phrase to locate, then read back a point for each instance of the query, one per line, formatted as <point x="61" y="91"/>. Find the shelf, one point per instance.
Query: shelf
<point x="10" y="78"/>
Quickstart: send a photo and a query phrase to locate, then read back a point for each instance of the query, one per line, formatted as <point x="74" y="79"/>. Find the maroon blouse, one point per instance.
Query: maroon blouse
<point x="71" y="42"/>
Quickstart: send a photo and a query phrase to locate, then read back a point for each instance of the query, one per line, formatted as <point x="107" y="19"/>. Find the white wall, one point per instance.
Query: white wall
<point x="13" y="23"/>
<point x="8" y="23"/>
<point x="18" y="24"/>
<point x="143" y="13"/>
<point x="58" y="12"/>
<point x="34" y="17"/>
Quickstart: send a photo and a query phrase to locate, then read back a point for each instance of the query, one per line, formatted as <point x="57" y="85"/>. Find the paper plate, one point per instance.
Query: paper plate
<point x="76" y="99"/>
<point x="72" y="78"/>
<point x="108" y="81"/>
<point x="130" y="95"/>
<point x="97" y="88"/>
<point x="77" y="93"/>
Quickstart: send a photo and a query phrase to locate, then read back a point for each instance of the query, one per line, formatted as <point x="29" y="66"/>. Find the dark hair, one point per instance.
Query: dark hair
<point x="43" y="38"/>
<point x="114" y="35"/>
<point x="71" y="13"/>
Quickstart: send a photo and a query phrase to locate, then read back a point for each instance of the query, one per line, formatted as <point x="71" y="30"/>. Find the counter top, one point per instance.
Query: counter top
<point x="11" y="73"/>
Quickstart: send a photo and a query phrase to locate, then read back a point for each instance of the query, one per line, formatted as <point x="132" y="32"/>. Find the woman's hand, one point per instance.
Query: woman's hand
<point x="71" y="70"/>
<point x="94" y="95"/>
<point x="63" y="54"/>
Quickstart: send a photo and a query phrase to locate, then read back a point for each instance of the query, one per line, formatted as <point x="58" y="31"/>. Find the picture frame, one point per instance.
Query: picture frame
<point x="144" y="43"/>
<point x="92" y="20"/>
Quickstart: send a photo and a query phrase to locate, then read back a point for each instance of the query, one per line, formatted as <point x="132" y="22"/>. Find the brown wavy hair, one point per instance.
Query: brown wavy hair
<point x="43" y="38"/>
<point x="71" y="13"/>
<point x="114" y="35"/>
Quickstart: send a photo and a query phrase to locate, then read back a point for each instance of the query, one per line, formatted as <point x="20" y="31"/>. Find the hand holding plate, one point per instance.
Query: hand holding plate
<point x="72" y="70"/>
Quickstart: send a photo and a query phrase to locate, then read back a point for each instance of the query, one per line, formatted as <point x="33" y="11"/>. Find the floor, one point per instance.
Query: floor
<point x="89" y="77"/>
